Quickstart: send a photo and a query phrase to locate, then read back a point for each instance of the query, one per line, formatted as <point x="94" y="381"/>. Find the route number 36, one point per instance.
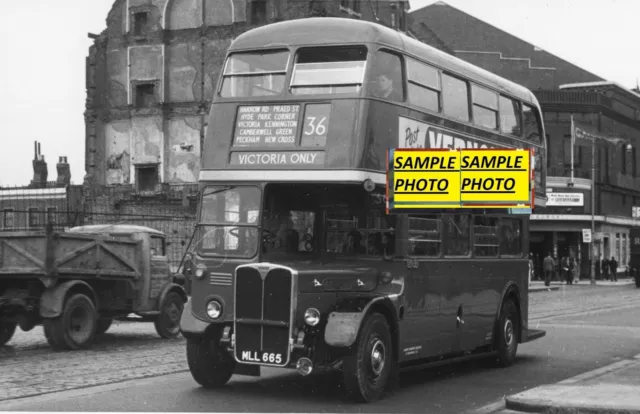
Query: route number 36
<point x="313" y="128"/>
<point x="272" y="358"/>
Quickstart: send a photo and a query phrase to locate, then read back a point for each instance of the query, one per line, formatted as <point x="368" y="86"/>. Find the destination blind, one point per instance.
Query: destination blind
<point x="266" y="125"/>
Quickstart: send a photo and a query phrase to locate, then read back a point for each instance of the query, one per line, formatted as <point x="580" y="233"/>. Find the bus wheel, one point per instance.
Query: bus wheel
<point x="507" y="335"/>
<point x="210" y="365"/>
<point x="368" y="367"/>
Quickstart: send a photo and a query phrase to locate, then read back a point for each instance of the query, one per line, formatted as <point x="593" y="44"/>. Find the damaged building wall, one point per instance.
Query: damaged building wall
<point x="152" y="73"/>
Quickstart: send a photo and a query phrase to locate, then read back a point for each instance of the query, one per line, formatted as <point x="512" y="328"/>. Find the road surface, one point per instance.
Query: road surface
<point x="586" y="328"/>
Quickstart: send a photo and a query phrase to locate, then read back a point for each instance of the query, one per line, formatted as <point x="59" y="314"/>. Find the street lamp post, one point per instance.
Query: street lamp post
<point x="593" y="213"/>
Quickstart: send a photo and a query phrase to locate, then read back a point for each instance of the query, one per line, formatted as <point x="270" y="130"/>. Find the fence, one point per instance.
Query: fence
<point x="171" y="211"/>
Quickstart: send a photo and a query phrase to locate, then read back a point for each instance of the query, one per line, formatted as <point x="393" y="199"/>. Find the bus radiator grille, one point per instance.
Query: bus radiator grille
<point x="268" y="301"/>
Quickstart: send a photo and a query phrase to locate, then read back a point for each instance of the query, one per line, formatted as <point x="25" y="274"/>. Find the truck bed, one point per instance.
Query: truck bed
<point x="58" y="254"/>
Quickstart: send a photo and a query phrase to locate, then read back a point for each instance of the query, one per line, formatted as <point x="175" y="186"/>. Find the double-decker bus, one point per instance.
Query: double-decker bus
<point x="296" y="263"/>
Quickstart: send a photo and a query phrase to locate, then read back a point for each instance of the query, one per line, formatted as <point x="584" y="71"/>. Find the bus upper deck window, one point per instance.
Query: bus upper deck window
<point x="329" y="70"/>
<point x="385" y="81"/>
<point x="254" y="74"/>
<point x="532" y="123"/>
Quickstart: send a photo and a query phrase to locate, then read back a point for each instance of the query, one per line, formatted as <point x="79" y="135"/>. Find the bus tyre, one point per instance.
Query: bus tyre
<point x="210" y="365"/>
<point x="7" y="329"/>
<point x="103" y="325"/>
<point x="76" y="327"/>
<point x="507" y="335"/>
<point x="167" y="323"/>
<point x="368" y="367"/>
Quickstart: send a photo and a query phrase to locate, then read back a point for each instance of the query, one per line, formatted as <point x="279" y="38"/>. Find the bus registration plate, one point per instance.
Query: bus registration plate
<point x="261" y="357"/>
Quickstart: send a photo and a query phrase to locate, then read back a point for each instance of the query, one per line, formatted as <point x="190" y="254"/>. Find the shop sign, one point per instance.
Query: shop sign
<point x="565" y="199"/>
<point x="586" y="235"/>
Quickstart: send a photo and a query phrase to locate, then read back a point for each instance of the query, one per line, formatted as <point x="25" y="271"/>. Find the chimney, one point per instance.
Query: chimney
<point x="40" y="172"/>
<point x="64" y="173"/>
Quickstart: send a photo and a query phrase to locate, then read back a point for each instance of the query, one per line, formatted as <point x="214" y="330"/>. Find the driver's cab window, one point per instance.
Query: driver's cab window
<point x="288" y="223"/>
<point x="157" y="245"/>
<point x="361" y="228"/>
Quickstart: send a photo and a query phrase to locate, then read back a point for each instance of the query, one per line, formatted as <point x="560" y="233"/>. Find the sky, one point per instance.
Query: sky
<point x="44" y="44"/>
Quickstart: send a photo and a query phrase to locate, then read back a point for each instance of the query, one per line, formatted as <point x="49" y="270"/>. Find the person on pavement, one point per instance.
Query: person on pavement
<point x="614" y="269"/>
<point x="548" y="266"/>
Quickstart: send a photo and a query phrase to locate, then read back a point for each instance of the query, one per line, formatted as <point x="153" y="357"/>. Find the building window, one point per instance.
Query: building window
<point x="356" y="6"/>
<point x="52" y="214"/>
<point x="140" y="23"/>
<point x="7" y="218"/>
<point x="624" y="160"/>
<point x="145" y="95"/>
<point x="258" y="11"/>
<point x="34" y="216"/>
<point x="147" y="177"/>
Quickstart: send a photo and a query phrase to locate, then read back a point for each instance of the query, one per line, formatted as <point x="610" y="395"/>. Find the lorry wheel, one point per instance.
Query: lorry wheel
<point x="103" y="325"/>
<point x="507" y="335"/>
<point x="368" y="368"/>
<point x="76" y="327"/>
<point x="210" y="365"/>
<point x="7" y="329"/>
<point x="168" y="322"/>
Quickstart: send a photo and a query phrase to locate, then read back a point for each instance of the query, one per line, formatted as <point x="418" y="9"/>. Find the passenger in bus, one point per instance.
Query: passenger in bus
<point x="353" y="245"/>
<point x="389" y="242"/>
<point x="385" y="89"/>
<point x="374" y="244"/>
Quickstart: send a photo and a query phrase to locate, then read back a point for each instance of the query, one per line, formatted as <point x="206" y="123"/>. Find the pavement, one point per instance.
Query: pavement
<point x="538" y="285"/>
<point x="614" y="388"/>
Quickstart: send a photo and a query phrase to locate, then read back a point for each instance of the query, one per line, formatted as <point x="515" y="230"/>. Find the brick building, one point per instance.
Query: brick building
<point x="31" y="207"/>
<point x="600" y="109"/>
<point x="151" y="76"/>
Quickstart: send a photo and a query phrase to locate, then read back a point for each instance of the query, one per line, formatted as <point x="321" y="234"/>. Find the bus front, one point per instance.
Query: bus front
<point x="291" y="216"/>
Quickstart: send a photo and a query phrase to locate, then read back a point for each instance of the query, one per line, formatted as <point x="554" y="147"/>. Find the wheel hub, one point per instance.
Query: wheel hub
<point x="378" y="357"/>
<point x="508" y="332"/>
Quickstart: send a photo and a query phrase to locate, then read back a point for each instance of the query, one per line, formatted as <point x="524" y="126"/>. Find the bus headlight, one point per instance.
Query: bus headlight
<point x="214" y="309"/>
<point x="200" y="272"/>
<point x="312" y="317"/>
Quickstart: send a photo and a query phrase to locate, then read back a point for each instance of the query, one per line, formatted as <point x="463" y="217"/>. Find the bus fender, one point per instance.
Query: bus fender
<point x="509" y="290"/>
<point x="343" y="326"/>
<point x="190" y="326"/>
<point x="52" y="299"/>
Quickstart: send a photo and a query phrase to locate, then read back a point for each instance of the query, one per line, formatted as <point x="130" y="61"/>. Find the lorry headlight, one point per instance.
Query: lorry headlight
<point x="214" y="309"/>
<point x="312" y="317"/>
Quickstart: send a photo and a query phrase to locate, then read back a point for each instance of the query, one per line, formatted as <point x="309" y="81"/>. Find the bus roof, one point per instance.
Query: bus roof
<point x="318" y="31"/>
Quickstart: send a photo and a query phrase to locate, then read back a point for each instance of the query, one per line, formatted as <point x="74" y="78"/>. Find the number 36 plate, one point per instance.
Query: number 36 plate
<point x="261" y="357"/>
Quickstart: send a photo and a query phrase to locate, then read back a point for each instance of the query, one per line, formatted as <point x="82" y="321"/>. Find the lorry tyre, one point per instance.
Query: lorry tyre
<point x="368" y="367"/>
<point x="507" y="333"/>
<point x="210" y="365"/>
<point x="103" y="325"/>
<point x="7" y="329"/>
<point x="167" y="323"/>
<point x="76" y="327"/>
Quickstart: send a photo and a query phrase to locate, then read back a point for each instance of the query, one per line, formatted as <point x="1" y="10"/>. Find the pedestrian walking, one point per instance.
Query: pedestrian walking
<point x="566" y="269"/>
<point x="531" y="268"/>
<point x="576" y="271"/>
<point x="605" y="268"/>
<point x="548" y="266"/>
<point x="613" y="264"/>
